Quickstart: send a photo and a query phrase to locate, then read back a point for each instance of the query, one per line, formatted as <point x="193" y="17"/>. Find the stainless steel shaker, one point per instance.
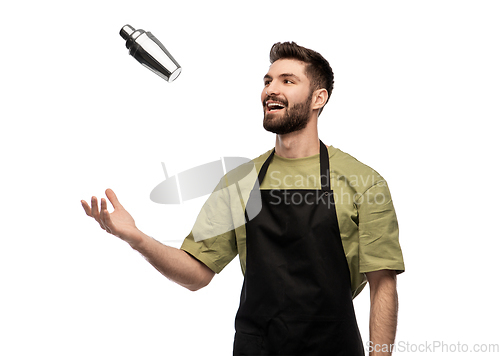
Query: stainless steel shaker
<point x="148" y="51"/>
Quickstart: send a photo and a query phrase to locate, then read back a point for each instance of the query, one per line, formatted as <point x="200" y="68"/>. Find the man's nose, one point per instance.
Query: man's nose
<point x="272" y="89"/>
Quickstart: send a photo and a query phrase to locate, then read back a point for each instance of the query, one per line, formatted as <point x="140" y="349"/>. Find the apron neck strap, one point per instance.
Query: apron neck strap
<point x="324" y="163"/>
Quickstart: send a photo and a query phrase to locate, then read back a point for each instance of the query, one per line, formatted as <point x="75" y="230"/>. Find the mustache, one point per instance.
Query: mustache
<point x="276" y="99"/>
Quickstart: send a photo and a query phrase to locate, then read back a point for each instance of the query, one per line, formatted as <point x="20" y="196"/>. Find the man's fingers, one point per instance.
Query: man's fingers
<point x="95" y="211"/>
<point x="103" y="208"/>
<point x="104" y="216"/>
<point x="112" y="198"/>
<point x="86" y="207"/>
<point x="95" y="208"/>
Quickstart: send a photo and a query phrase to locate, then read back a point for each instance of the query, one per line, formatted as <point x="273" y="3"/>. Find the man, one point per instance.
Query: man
<point x="325" y="225"/>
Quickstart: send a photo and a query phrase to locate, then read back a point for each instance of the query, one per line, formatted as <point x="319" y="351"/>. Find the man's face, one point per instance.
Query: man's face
<point x="286" y="97"/>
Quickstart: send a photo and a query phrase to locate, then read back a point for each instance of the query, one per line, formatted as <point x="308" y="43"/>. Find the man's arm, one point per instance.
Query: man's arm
<point x="383" y="311"/>
<point x="173" y="263"/>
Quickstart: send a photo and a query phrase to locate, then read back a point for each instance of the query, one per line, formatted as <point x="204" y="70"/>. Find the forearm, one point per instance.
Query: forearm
<point x="173" y="263"/>
<point x="383" y="316"/>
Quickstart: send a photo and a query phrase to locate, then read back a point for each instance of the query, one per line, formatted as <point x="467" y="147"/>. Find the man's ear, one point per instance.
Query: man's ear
<point x="320" y="96"/>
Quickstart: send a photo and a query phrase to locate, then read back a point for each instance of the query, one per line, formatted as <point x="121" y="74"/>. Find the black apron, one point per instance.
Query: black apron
<point x="296" y="295"/>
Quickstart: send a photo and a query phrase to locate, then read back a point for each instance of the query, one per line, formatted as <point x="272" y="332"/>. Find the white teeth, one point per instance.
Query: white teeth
<point x="275" y="104"/>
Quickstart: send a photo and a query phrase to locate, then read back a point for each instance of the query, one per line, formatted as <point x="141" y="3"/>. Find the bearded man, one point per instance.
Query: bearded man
<point x="317" y="225"/>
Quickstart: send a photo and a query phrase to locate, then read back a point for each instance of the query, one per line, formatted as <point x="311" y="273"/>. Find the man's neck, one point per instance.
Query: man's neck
<point x="299" y="144"/>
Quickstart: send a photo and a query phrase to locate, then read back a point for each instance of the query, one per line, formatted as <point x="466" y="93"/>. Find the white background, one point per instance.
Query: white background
<point x="416" y="97"/>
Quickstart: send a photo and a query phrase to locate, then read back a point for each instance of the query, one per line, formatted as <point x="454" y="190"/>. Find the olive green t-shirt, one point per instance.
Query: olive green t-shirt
<point x="365" y="212"/>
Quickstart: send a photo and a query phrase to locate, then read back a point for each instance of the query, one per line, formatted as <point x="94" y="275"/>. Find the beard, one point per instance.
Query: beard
<point x="293" y="118"/>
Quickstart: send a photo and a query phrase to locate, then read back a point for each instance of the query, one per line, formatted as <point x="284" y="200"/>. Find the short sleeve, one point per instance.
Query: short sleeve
<point x="215" y="252"/>
<point x="379" y="246"/>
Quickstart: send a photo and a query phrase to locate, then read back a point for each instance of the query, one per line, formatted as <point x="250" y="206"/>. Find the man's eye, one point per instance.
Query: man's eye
<point x="286" y="81"/>
<point x="266" y="82"/>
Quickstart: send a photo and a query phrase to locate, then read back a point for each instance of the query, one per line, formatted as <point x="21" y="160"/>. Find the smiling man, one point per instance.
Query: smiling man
<point x="326" y="225"/>
<point x="278" y="116"/>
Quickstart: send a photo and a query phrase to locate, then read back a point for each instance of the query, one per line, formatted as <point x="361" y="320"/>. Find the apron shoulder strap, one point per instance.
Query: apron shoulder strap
<point x="324" y="164"/>
<point x="264" y="167"/>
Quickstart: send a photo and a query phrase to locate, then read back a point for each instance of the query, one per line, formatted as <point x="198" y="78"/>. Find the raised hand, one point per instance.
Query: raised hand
<point x="175" y="264"/>
<point x="119" y="223"/>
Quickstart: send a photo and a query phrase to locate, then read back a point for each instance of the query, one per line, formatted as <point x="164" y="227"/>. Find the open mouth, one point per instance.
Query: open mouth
<point x="273" y="106"/>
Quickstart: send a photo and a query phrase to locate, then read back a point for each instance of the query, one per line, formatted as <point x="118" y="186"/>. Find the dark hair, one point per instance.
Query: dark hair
<point x="318" y="69"/>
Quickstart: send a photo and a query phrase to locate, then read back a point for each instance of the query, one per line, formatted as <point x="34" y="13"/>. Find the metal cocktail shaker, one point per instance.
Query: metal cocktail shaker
<point x="148" y="51"/>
